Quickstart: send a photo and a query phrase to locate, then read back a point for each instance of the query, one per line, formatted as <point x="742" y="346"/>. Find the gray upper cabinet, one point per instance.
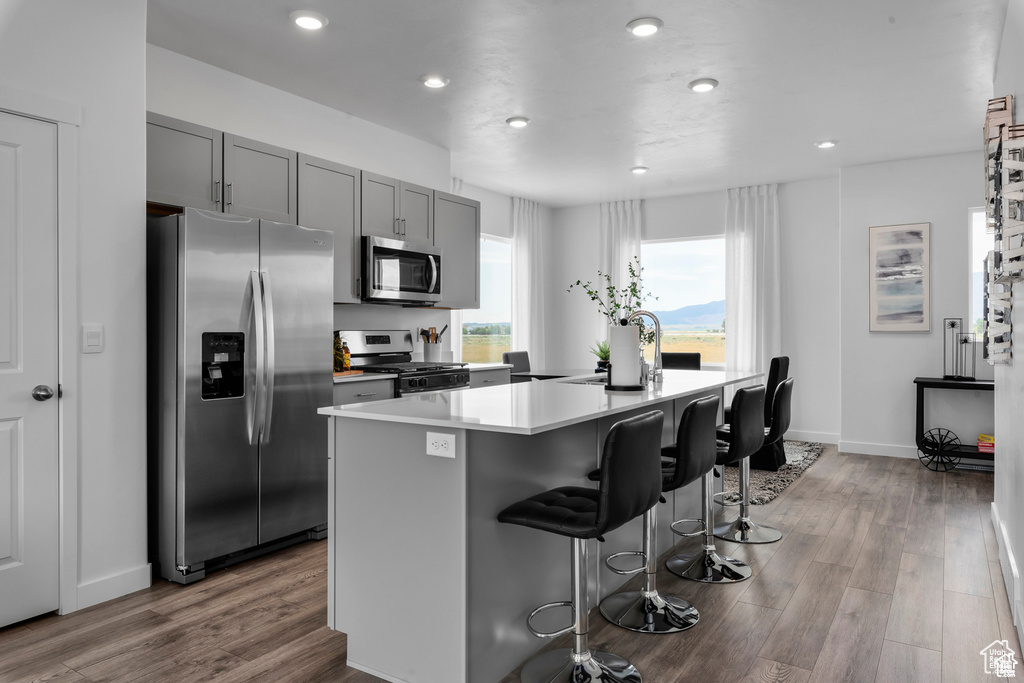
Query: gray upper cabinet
<point x="183" y="163"/>
<point x="260" y="180"/>
<point x="457" y="232"/>
<point x="329" y="200"/>
<point x="190" y="165"/>
<point x="396" y="209"/>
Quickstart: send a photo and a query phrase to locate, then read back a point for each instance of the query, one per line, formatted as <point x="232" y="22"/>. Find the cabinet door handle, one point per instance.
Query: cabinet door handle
<point x="216" y="193"/>
<point x="229" y="194"/>
<point x="403" y="228"/>
<point x="398" y="227"/>
<point x="368" y="393"/>
<point x="488" y="381"/>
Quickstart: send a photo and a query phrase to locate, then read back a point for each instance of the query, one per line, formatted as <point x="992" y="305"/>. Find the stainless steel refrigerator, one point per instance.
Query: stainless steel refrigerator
<point x="240" y="348"/>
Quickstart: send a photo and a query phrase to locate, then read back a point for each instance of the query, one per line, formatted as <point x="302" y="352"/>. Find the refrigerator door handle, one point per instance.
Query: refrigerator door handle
<point x="258" y="414"/>
<point x="268" y="302"/>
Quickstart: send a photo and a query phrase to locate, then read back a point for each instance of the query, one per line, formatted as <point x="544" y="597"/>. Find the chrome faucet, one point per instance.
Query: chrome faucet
<point x="656" y="374"/>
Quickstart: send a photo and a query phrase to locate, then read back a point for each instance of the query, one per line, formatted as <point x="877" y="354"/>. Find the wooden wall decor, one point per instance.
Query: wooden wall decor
<point x="1004" y="190"/>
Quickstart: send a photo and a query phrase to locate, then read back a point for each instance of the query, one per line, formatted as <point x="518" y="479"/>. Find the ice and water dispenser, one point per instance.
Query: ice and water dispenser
<point x="223" y="365"/>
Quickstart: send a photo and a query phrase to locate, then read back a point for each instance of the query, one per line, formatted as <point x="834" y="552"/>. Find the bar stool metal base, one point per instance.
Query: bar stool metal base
<point x="709" y="567"/>
<point x="742" y="530"/>
<point x="559" y="666"/>
<point x="655" y="613"/>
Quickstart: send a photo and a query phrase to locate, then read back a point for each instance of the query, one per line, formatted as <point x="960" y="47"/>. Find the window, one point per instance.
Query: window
<point x="981" y="244"/>
<point x="487" y="331"/>
<point x="688" y="279"/>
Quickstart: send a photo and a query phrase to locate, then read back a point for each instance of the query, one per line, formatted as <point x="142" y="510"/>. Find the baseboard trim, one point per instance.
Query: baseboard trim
<point x="1008" y="567"/>
<point x="890" y="450"/>
<point x="110" y="587"/>
<point x="819" y="437"/>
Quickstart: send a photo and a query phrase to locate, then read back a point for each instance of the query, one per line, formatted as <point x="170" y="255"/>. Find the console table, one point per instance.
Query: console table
<point x="940" y="449"/>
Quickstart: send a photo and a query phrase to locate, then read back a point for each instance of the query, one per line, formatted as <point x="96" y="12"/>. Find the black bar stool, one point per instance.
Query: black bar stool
<point x="742" y="529"/>
<point x="630" y="485"/>
<point x="707" y="565"/>
<point x="683" y="463"/>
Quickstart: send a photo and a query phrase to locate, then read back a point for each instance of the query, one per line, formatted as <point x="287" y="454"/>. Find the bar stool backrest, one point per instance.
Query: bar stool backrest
<point x="695" y="443"/>
<point x="782" y="412"/>
<point x="778" y="370"/>
<point x="746" y="423"/>
<point x="520" y="360"/>
<point x="630" y="470"/>
<point x="678" y="360"/>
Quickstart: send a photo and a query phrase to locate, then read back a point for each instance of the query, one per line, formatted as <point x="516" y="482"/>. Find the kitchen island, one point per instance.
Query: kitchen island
<point x="429" y="587"/>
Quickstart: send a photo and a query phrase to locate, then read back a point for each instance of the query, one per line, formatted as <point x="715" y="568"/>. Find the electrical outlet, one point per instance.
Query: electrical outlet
<point x="441" y="444"/>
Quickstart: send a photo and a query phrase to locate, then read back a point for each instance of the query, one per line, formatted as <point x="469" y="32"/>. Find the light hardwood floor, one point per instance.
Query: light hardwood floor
<point x="887" y="572"/>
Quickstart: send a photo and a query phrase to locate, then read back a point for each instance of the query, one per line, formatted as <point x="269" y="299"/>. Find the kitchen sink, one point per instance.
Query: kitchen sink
<point x="588" y="380"/>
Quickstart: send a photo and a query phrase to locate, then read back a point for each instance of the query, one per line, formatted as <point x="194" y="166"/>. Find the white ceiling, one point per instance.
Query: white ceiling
<point x="889" y="79"/>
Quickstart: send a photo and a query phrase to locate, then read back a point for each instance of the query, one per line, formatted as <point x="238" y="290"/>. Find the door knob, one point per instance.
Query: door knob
<point x="42" y="392"/>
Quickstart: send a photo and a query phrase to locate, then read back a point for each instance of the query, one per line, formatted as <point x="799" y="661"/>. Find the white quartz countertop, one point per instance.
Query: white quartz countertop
<point x="472" y="367"/>
<point x="531" y="407"/>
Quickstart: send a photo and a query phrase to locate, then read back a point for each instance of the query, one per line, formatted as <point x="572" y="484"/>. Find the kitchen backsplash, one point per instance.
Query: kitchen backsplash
<point x="373" y="317"/>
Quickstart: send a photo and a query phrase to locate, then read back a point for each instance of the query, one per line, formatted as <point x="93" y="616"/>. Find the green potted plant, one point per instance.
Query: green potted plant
<point x="620" y="302"/>
<point x="603" y="352"/>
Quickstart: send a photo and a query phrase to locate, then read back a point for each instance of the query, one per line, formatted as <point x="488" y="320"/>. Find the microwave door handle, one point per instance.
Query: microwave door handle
<point x="268" y="300"/>
<point x="256" y="426"/>
<point x="433" y="273"/>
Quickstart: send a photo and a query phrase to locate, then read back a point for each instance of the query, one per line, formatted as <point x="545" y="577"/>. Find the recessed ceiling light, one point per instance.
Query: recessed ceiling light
<point x="435" y="81"/>
<point x="645" y="26"/>
<point x="639" y="170"/>
<point x="826" y="144"/>
<point x="518" y="121"/>
<point x="308" y="19"/>
<point x="703" y="85"/>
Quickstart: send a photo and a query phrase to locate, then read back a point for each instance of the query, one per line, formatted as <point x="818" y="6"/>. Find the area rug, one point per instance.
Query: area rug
<point x="765" y="486"/>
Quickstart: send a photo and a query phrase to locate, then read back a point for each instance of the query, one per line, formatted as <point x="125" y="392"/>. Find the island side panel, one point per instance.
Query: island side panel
<point x="399" y="526"/>
<point x="514" y="569"/>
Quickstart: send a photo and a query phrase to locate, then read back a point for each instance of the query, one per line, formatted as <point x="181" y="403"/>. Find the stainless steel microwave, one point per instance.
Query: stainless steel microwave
<point x="397" y="272"/>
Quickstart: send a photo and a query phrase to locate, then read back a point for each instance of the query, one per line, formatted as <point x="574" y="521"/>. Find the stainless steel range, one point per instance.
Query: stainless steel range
<point x="390" y="351"/>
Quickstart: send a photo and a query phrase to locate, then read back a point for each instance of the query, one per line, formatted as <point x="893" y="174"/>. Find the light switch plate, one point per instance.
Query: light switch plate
<point x="92" y="339"/>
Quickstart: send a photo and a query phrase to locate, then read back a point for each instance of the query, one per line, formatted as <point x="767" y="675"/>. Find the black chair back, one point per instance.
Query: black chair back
<point x="520" y="360"/>
<point x="630" y="470"/>
<point x="680" y="361"/>
<point x="777" y="372"/>
<point x="746" y="424"/>
<point x="782" y="412"/>
<point x="695" y="447"/>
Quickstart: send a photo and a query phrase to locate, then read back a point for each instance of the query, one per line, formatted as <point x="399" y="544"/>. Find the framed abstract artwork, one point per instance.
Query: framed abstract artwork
<point x="899" y="278"/>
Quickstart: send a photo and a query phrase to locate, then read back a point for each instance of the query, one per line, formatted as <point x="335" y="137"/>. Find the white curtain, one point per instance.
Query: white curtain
<point x="753" y="300"/>
<point x="527" y="281"/>
<point x="619" y="246"/>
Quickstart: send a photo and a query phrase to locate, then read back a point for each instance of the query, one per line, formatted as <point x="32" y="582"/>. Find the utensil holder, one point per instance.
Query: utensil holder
<point x="432" y="352"/>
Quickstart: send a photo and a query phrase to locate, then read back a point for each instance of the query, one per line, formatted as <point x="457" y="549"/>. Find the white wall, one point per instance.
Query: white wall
<point x="878" y="368"/>
<point x="811" y="329"/>
<point x="92" y="53"/>
<point x="193" y="91"/>
<point x="1008" y="508"/>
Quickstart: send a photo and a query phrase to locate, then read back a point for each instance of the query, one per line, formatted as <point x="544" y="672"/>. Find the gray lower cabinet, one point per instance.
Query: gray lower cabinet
<point x="457" y="232"/>
<point x="360" y="392"/>
<point x="397" y="209"/>
<point x="489" y="378"/>
<point x="191" y="165"/>
<point x="184" y="163"/>
<point x="329" y="200"/>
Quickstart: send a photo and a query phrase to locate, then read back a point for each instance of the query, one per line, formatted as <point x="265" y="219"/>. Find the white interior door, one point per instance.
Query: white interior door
<point x="28" y="368"/>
